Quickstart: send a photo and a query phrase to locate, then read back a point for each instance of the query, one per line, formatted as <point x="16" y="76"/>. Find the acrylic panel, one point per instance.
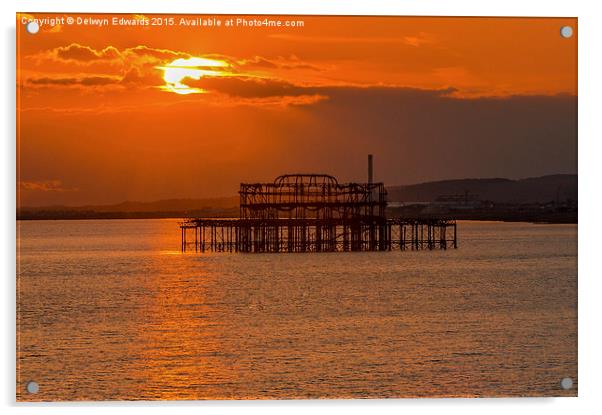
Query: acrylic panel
<point x="295" y="207"/>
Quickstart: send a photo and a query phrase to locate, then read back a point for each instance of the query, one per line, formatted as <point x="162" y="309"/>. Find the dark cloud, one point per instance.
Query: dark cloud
<point x="252" y="87"/>
<point x="421" y="135"/>
<point x="416" y="134"/>
<point x="84" y="81"/>
<point x="138" y="77"/>
<point x="246" y="87"/>
<point x="53" y="81"/>
<point x="97" y="81"/>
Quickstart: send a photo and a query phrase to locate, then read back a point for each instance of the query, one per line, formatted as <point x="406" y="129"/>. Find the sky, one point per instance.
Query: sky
<point x="116" y="112"/>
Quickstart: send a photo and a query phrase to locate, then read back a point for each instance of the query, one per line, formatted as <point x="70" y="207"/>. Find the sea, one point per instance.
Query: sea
<point x="113" y="310"/>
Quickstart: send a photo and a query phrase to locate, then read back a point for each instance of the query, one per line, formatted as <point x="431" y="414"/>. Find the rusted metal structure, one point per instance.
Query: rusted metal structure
<point x="315" y="213"/>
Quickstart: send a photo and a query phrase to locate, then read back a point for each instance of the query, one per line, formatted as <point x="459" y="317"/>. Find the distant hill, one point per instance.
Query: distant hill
<point x="532" y="190"/>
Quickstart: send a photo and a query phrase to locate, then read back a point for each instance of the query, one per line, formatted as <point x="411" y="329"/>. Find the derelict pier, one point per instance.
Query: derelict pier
<point x="315" y="213"/>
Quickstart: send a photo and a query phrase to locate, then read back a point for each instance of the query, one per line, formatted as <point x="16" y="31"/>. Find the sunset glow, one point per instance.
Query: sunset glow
<point x="114" y="113"/>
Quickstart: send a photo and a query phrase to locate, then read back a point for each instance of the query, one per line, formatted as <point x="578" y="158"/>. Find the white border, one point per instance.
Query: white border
<point x="359" y="7"/>
<point x="590" y="199"/>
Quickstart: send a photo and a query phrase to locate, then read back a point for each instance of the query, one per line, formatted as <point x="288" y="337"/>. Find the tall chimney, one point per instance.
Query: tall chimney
<point x="370" y="171"/>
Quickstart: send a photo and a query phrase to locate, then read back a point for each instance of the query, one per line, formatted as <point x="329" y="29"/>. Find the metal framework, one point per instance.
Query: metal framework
<point x="315" y="196"/>
<point x="314" y="213"/>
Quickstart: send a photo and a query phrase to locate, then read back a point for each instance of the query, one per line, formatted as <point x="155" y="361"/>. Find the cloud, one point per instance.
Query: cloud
<point x="77" y="65"/>
<point x="141" y="67"/>
<point x="254" y="87"/>
<point x="254" y="91"/>
<point x="77" y="52"/>
<point x="259" y="80"/>
<point x="266" y="101"/>
<point x="83" y="81"/>
<point x="45" y="186"/>
<point x="421" y="135"/>
<point x="142" y="50"/>
<point x="53" y="81"/>
<point x="292" y="62"/>
<point x="139" y="77"/>
<point x="249" y="87"/>
<point x="83" y="55"/>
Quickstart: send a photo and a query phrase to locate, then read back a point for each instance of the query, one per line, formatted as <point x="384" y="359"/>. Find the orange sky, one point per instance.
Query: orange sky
<point x="98" y="123"/>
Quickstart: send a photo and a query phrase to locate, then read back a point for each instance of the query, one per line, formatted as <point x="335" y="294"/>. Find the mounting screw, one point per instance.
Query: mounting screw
<point x="33" y="387"/>
<point x="32" y="27"/>
<point x="566" y="32"/>
<point x="566" y="383"/>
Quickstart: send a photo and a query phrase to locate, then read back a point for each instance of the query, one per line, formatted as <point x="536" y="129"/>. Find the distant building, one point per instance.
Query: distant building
<point x="464" y="201"/>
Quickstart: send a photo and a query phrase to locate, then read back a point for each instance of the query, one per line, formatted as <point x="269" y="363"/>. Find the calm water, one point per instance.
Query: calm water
<point x="112" y="310"/>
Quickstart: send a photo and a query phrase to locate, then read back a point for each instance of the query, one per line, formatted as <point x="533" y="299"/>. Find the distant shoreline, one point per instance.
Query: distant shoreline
<point x="545" y="199"/>
<point x="541" y="219"/>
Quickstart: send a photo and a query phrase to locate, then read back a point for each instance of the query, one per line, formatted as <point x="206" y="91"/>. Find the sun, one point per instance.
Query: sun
<point x="194" y="68"/>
